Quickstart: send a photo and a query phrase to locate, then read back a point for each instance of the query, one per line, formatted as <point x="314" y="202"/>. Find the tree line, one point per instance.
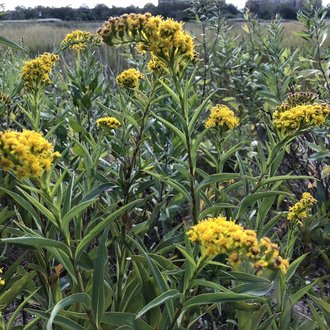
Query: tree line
<point x="264" y="9"/>
<point x="101" y="12"/>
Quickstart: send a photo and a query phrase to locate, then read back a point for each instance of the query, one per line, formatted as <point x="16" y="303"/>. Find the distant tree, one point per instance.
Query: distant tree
<point x="150" y="8"/>
<point x="287" y="11"/>
<point x="177" y="10"/>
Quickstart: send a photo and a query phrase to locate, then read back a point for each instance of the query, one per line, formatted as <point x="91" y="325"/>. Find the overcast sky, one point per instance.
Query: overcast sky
<point x="11" y="4"/>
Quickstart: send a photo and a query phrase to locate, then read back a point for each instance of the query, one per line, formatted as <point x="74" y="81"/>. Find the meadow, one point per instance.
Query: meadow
<point x="40" y="36"/>
<point x="160" y="176"/>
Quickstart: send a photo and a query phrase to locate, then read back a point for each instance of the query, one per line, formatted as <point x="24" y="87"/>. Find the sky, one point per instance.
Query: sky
<point x="11" y="4"/>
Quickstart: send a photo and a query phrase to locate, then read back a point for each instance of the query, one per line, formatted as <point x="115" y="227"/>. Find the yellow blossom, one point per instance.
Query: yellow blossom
<point x="293" y="115"/>
<point x="222" y="236"/>
<point x="26" y="153"/>
<point x="79" y="39"/>
<point x="222" y="117"/>
<point x="129" y="78"/>
<point x="36" y="72"/>
<point x="300" y="211"/>
<point x="163" y="38"/>
<point x="108" y="122"/>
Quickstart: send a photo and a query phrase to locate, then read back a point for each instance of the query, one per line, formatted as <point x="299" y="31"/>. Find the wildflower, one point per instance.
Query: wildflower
<point x="108" y="122"/>
<point x="222" y="117"/>
<point x="2" y="282"/>
<point x="79" y="39"/>
<point x="300" y="211"/>
<point x="129" y="78"/>
<point x="301" y="116"/>
<point x="26" y="153"/>
<point x="222" y="236"/>
<point x="163" y="38"/>
<point x="36" y="72"/>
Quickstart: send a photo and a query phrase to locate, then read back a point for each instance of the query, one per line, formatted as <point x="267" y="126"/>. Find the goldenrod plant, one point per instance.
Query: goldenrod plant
<point x="147" y="197"/>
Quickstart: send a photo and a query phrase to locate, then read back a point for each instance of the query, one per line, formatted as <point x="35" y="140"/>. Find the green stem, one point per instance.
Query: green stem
<point x="199" y="267"/>
<point x="128" y="175"/>
<point x="191" y="167"/>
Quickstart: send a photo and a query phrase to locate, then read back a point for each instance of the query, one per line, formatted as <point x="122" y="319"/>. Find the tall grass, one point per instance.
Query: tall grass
<point x="39" y="37"/>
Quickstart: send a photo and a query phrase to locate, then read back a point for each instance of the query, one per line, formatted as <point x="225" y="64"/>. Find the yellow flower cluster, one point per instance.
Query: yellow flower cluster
<point x="301" y="209"/>
<point x="301" y="116"/>
<point x="36" y="72"/>
<point x="164" y="38"/>
<point x="222" y="236"/>
<point x="222" y="117"/>
<point x="26" y="153"/>
<point x="129" y="78"/>
<point x="155" y="65"/>
<point x="108" y="122"/>
<point x="2" y="282"/>
<point x="79" y="39"/>
<point x="5" y="101"/>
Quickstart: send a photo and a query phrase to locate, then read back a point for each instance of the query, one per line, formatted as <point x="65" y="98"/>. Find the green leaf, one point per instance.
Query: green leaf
<point x="98" y="279"/>
<point x="215" y="209"/>
<point x="49" y="215"/>
<point x="125" y="319"/>
<point x="67" y="200"/>
<point x="12" y="44"/>
<point x="285" y="178"/>
<point x="79" y="298"/>
<point x="171" y="294"/>
<point x="161" y="281"/>
<point x="244" y="277"/>
<point x="9" y="295"/>
<point x="325" y="306"/>
<point x="197" y="113"/>
<point x="11" y="321"/>
<point x="97" y="191"/>
<point x="171" y="92"/>
<point x="174" y="129"/>
<point x="74" y="212"/>
<point x="250" y="199"/>
<point x="22" y="202"/>
<point x="63" y="321"/>
<point x="210" y="298"/>
<point x="293" y="267"/>
<point x="98" y="228"/>
<point x="174" y="184"/>
<point x="256" y="289"/>
<point x="216" y="178"/>
<point x="36" y="241"/>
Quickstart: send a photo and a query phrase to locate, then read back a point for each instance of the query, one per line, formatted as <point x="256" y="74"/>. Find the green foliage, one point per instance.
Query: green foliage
<point x="103" y="231"/>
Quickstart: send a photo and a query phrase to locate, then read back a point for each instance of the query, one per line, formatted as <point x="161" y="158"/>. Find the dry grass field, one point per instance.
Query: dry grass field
<point x="47" y="36"/>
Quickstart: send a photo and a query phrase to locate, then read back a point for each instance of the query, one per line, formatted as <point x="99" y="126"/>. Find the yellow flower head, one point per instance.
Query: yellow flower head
<point x="108" y="122"/>
<point x="129" y="78"/>
<point x="163" y="38"/>
<point x="36" y="72"/>
<point x="301" y="116"/>
<point x="300" y="211"/>
<point x="26" y="153"/>
<point x="79" y="39"/>
<point x="222" y="117"/>
<point x="222" y="236"/>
